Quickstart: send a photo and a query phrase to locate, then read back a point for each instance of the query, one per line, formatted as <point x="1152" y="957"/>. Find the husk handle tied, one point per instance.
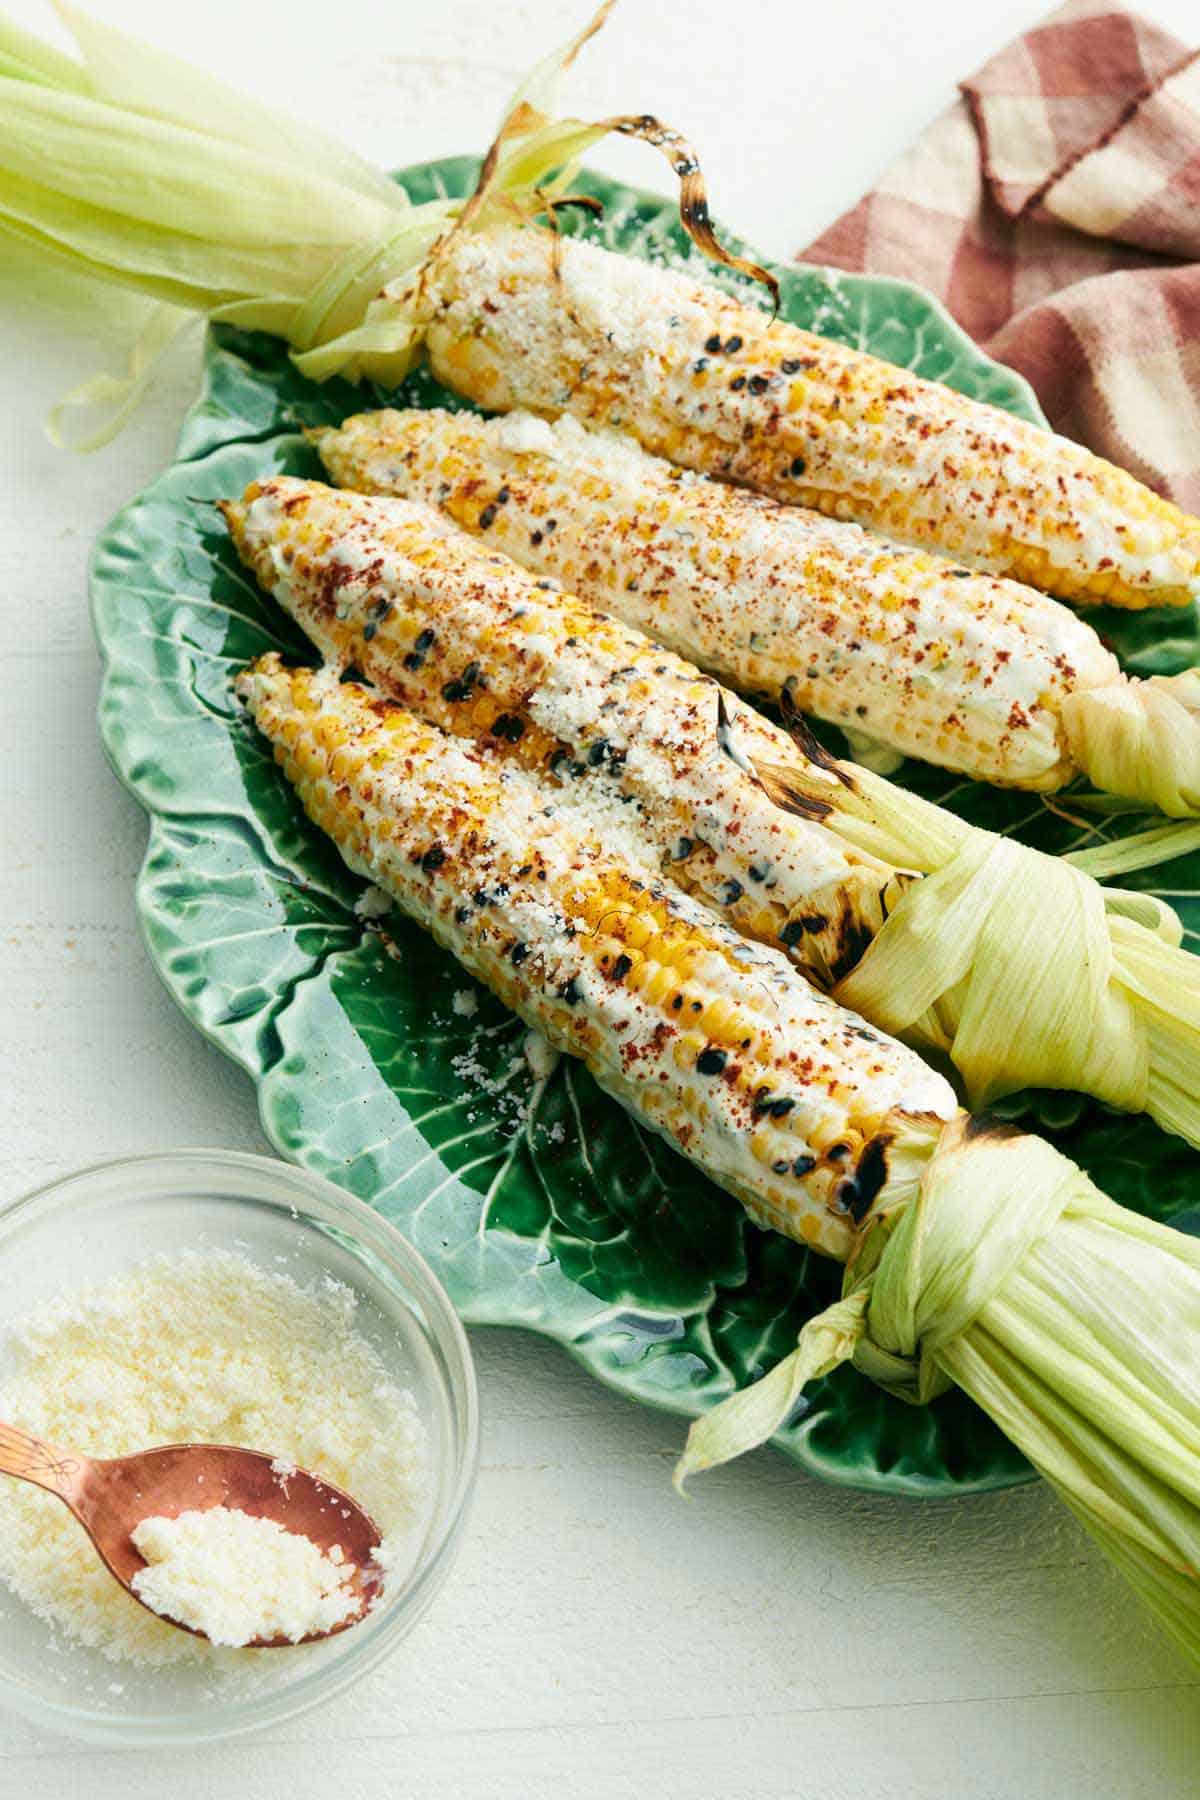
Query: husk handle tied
<point x="1140" y="739"/>
<point x="1073" y="1323"/>
<point x="1017" y="965"/>
<point x="942" y="969"/>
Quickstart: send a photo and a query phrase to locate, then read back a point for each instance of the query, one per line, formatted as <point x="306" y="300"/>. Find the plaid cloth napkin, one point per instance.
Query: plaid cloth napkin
<point x="1055" y="210"/>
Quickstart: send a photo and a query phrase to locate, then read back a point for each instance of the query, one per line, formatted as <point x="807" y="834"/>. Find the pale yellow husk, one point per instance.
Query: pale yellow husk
<point x="136" y="168"/>
<point x="1018" y="965"/>
<point x="1140" y="739"/>
<point x="1073" y="1323"/>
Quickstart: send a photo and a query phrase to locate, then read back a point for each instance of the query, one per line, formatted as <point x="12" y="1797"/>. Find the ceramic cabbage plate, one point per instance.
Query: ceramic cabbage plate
<point x="538" y="1201"/>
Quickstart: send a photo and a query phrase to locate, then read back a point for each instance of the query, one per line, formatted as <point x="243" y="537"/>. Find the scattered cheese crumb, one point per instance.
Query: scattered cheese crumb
<point x="465" y="1003"/>
<point x="373" y="903"/>
<point x="540" y="1054"/>
<point x="236" y="1577"/>
<point x="522" y="431"/>
<point x="282" y="1470"/>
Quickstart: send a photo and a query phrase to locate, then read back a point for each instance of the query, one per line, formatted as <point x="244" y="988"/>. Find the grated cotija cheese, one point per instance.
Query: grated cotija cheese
<point x="236" y="1577"/>
<point x="203" y="1346"/>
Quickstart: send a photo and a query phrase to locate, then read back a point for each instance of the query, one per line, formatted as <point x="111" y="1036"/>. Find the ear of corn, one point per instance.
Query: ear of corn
<point x="789" y="1101"/>
<point x="976" y="1255"/>
<point x="1015" y="964"/>
<point x="521" y="319"/>
<point x="881" y="640"/>
<point x="247" y="218"/>
<point x="474" y="643"/>
<point x="895" y="645"/>
<point x="1012" y="1277"/>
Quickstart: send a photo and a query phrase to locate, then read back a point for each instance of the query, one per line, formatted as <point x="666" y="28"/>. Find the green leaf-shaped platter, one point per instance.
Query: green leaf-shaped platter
<point x="538" y="1201"/>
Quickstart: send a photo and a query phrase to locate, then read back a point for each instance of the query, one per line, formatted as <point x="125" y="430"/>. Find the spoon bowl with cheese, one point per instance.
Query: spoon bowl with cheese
<point x="236" y="1545"/>
<point x="165" y="1308"/>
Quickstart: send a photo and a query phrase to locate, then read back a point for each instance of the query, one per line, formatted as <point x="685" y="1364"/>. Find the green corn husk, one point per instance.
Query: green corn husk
<point x="136" y="169"/>
<point x="1072" y="1322"/>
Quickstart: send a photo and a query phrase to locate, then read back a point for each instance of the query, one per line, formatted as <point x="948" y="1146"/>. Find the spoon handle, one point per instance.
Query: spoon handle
<point x="32" y="1459"/>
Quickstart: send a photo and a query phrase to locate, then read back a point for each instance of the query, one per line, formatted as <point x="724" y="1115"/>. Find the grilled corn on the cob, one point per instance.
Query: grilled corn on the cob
<point x="471" y="641"/>
<point x="791" y="1102"/>
<point x="930" y="659"/>
<point x="1018" y="965"/>
<point x="975" y="1255"/>
<point x="518" y="318"/>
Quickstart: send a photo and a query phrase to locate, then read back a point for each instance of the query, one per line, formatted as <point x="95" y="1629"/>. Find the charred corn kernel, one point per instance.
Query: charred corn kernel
<point x="895" y="645"/>
<point x="477" y="852"/>
<point x="437" y="619"/>
<point x="522" y="319"/>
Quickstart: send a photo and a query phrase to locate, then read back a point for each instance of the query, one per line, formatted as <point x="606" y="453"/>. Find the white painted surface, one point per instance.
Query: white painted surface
<point x="773" y="1638"/>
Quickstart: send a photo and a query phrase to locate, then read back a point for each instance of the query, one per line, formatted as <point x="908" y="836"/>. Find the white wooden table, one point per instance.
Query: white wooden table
<point x="773" y="1638"/>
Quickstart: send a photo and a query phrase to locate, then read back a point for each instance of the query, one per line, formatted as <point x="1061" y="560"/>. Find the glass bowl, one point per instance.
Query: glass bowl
<point x="96" y="1224"/>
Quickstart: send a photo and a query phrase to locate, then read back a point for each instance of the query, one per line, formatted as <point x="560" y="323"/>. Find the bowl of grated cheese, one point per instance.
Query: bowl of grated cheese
<point x="214" y="1297"/>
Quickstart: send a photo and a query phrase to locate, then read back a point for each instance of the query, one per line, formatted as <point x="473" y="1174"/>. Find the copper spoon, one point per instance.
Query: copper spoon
<point x="110" y="1498"/>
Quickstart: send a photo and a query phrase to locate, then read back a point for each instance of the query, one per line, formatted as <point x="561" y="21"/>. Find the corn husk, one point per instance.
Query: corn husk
<point x="1073" y="1323"/>
<point x="135" y="168"/>
<point x="1016" y="965"/>
<point x="1140" y="739"/>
